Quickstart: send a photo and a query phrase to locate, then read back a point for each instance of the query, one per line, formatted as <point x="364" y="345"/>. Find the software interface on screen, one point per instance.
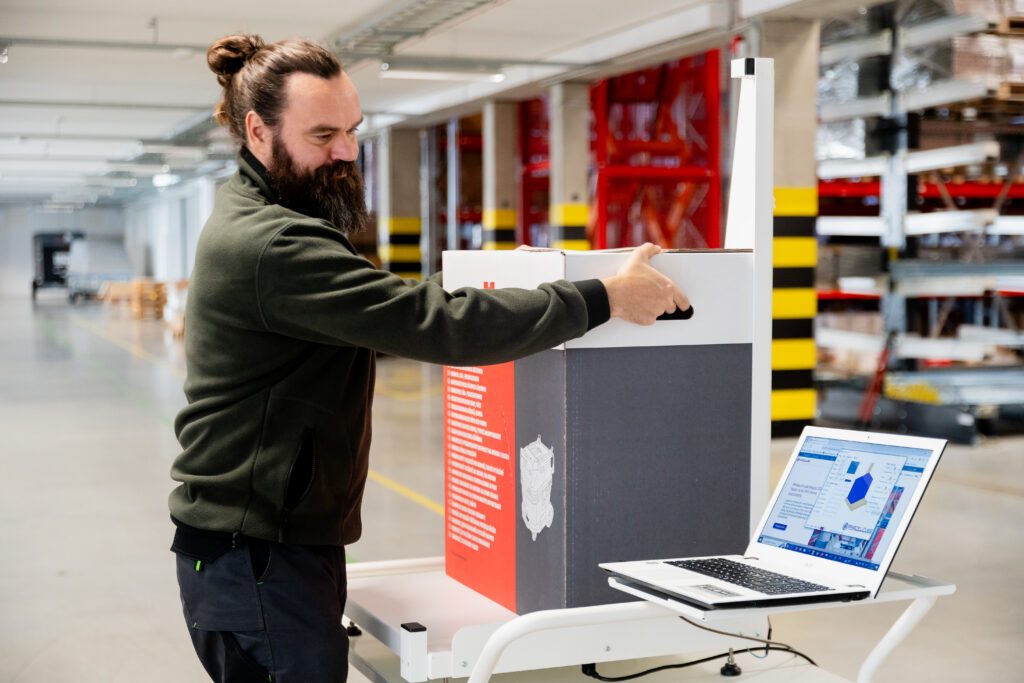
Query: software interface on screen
<point x="842" y="499"/>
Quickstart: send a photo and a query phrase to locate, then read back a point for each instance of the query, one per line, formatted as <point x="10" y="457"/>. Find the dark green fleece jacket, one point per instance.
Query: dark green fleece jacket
<point x="283" y="322"/>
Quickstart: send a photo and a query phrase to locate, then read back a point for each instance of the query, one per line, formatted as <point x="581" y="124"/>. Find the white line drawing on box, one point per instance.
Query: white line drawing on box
<point x="537" y="469"/>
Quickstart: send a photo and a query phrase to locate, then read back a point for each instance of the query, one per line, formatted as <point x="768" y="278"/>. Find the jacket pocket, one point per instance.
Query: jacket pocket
<point x="301" y="474"/>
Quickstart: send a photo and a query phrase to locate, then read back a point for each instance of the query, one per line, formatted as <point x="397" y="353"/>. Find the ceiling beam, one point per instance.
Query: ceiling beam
<point x="63" y="43"/>
<point x="153" y="106"/>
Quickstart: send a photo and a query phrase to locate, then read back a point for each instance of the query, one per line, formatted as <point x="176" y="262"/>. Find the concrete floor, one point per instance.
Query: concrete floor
<point x="87" y="589"/>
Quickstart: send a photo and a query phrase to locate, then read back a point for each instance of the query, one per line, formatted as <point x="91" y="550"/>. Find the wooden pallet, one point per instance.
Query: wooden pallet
<point x="1010" y="26"/>
<point x="1011" y="91"/>
<point x="115" y="292"/>
<point x="147" y="299"/>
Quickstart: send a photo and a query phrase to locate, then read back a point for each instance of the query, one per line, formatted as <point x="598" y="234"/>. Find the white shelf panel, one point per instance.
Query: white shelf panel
<point x="852" y="168"/>
<point x="879" y="105"/>
<point x="851" y="226"/>
<point x="941" y="29"/>
<point x="999" y="336"/>
<point x="941" y="93"/>
<point x="907" y="346"/>
<point x="1007" y="225"/>
<point x="947" y="221"/>
<point x="857" y="48"/>
<point x="948" y="157"/>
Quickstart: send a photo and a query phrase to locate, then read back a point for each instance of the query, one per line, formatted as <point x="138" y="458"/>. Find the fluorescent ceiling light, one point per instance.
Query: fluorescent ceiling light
<point x="74" y="180"/>
<point x="179" y="151"/>
<point x="438" y="74"/>
<point x="165" y="180"/>
<point x="140" y="169"/>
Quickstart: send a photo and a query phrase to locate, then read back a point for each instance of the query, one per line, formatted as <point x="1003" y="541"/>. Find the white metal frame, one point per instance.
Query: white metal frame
<point x="460" y="633"/>
<point x="464" y="634"/>
<point x="920" y="591"/>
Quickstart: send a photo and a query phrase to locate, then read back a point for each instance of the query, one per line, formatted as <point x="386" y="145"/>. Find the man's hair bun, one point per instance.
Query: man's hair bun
<point x="254" y="75"/>
<point x="227" y="56"/>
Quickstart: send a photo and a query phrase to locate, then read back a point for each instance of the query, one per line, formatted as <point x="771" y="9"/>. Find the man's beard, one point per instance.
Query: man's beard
<point x="333" y="191"/>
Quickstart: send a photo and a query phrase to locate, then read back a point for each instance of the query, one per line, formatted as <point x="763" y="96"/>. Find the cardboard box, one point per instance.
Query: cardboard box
<point x="628" y="443"/>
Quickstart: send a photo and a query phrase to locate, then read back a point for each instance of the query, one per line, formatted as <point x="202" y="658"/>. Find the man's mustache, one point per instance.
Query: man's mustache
<point x="338" y="170"/>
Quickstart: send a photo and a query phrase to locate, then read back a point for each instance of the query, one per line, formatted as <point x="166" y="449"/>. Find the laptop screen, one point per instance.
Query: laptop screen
<point x="842" y="497"/>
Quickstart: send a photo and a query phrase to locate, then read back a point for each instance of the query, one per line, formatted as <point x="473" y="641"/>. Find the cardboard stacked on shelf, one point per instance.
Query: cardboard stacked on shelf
<point x="147" y="299"/>
<point x="844" y="82"/>
<point x="996" y="60"/>
<point x="851" y="361"/>
<point x="836" y="261"/>
<point x="627" y="443"/>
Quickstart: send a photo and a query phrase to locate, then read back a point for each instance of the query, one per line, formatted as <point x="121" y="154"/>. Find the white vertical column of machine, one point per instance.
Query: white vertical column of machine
<point x="749" y="226"/>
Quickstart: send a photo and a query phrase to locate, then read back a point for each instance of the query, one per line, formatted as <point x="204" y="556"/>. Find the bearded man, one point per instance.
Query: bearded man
<point x="284" y="319"/>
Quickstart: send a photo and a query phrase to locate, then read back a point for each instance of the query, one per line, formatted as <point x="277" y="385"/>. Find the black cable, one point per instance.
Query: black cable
<point x="769" y="646"/>
<point x="591" y="669"/>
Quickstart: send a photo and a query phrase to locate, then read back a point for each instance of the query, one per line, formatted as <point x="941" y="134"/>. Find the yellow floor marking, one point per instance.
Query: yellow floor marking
<point x="407" y="492"/>
<point x="140" y="353"/>
<point x="134" y="349"/>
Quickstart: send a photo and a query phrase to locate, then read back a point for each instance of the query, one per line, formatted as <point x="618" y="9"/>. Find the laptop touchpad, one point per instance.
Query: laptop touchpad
<point x="717" y="591"/>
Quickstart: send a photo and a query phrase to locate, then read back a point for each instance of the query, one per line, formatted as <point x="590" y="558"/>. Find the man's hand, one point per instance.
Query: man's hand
<point x="638" y="293"/>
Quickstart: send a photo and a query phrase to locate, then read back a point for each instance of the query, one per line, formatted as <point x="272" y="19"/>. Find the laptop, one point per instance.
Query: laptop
<point x="830" y="531"/>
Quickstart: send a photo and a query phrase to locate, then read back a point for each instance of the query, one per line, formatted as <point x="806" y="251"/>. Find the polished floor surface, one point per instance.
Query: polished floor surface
<point x="87" y="589"/>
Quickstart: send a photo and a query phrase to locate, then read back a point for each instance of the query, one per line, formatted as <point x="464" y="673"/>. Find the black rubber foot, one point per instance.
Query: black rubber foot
<point x="352" y="630"/>
<point x="731" y="669"/>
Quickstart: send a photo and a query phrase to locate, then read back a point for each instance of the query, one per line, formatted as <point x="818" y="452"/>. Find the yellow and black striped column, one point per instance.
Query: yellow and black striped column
<point x="499" y="229"/>
<point x="569" y="226"/>
<point x="499" y="169"/>
<point x="794" y="306"/>
<point x="399" y="227"/>
<point x="401" y="253"/>
<point x="569" y="145"/>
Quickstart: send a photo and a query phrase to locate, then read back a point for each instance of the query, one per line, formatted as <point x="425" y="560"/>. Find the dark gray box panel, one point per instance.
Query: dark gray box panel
<point x="540" y="412"/>
<point x="659" y="458"/>
<point x="652" y="459"/>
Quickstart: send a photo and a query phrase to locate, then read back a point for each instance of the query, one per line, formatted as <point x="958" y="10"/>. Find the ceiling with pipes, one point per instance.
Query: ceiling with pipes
<point x="101" y="99"/>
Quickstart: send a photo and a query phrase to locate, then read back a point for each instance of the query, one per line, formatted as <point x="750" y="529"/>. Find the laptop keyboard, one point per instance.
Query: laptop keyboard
<point x="744" y="575"/>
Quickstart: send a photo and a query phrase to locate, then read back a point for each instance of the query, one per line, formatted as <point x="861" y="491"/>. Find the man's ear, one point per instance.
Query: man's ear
<point x="258" y="137"/>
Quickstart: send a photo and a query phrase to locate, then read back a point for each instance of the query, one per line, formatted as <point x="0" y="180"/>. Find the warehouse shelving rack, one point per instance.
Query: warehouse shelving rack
<point x="896" y="191"/>
<point x="655" y="146"/>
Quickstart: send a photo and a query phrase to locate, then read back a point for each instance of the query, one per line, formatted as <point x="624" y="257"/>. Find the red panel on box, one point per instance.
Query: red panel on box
<point x="480" y="479"/>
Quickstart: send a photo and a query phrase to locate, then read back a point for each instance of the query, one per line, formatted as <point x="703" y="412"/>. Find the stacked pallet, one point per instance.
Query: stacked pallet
<point x="115" y="292"/>
<point x="147" y="299"/>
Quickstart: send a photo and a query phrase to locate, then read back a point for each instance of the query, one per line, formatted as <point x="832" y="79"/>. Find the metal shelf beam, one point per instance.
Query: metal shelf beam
<point x="851" y="226"/>
<point x="879" y="105"/>
<point x="971" y="220"/>
<point x="949" y="157"/>
<point x="942" y="93"/>
<point x="941" y="29"/>
<point x="857" y="48"/>
<point x="830" y="169"/>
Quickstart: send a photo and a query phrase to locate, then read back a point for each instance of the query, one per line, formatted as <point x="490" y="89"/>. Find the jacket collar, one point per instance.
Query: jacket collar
<point x="252" y="169"/>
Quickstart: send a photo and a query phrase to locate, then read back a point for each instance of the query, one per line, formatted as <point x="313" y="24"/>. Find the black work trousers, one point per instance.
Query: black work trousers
<point x="267" y="612"/>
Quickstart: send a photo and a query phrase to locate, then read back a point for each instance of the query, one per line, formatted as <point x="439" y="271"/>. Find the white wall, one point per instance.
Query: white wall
<point x="19" y="222"/>
<point x="162" y="229"/>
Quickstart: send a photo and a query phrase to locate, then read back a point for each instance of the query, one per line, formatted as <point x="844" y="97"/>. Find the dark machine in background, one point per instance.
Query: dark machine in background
<point x="50" y="255"/>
